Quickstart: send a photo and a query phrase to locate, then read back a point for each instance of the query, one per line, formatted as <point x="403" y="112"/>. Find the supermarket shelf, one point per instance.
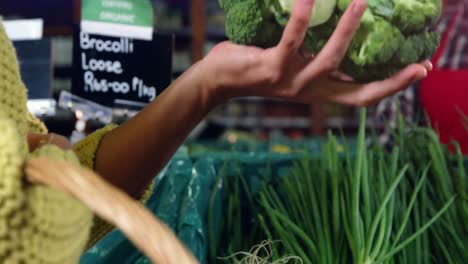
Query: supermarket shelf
<point x="285" y="122"/>
<point x="261" y="122"/>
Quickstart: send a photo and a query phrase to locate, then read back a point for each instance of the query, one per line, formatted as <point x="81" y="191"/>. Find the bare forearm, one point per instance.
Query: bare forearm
<point x="130" y="156"/>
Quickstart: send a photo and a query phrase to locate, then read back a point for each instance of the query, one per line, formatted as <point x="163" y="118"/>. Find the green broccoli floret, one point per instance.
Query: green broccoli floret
<point x="417" y="48"/>
<point x="431" y="42"/>
<point x="411" y="50"/>
<point x="248" y="22"/>
<point x="375" y="42"/>
<point x="414" y="48"/>
<point x="412" y="16"/>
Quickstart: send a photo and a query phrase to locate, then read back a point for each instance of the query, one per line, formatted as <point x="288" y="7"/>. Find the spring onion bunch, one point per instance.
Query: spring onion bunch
<point x="371" y="205"/>
<point x="406" y="206"/>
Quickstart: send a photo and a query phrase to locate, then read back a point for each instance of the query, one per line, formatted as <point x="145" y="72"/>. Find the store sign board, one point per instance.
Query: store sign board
<point x="118" y="18"/>
<point x="109" y="69"/>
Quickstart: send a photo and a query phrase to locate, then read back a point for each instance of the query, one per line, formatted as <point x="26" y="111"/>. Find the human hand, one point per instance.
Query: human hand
<point x="285" y="72"/>
<point x="36" y="141"/>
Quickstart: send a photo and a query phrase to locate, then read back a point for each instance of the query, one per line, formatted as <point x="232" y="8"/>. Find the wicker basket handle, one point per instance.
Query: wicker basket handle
<point x="148" y="233"/>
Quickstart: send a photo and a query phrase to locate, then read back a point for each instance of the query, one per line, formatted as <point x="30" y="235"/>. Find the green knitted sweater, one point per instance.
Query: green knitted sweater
<point x="38" y="224"/>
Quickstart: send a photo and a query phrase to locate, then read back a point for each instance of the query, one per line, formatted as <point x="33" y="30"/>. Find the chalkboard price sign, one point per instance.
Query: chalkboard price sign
<point x="106" y="69"/>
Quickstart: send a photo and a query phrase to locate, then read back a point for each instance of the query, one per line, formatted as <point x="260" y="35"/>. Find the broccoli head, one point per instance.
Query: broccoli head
<point x="248" y="22"/>
<point x="392" y="33"/>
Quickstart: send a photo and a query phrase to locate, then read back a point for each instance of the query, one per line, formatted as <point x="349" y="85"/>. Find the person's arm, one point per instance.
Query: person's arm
<point x="131" y="155"/>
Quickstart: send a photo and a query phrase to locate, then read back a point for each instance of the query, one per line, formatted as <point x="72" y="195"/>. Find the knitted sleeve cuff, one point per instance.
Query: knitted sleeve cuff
<point x="86" y="149"/>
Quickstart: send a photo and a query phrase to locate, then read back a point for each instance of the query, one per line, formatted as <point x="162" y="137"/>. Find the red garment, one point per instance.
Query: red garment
<point x="444" y="96"/>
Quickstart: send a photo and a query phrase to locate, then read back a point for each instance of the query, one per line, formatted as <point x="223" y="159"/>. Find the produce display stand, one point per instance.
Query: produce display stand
<point x="210" y="196"/>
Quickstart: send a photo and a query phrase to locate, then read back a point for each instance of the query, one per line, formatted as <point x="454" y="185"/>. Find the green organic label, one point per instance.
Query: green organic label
<point x="127" y="12"/>
<point x="118" y="18"/>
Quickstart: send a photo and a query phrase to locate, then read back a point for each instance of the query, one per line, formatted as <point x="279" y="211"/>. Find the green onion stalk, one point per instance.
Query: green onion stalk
<point x="403" y="206"/>
<point x="363" y="205"/>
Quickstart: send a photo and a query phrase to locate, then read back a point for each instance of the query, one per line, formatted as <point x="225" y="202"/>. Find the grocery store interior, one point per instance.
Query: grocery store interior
<point x="257" y="179"/>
